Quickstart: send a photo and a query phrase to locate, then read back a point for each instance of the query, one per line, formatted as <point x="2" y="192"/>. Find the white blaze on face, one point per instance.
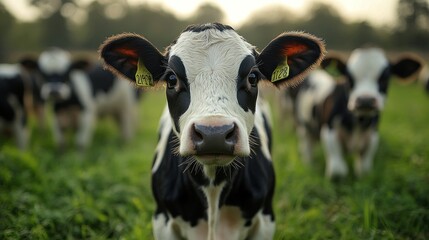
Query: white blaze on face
<point x="54" y="63"/>
<point x="365" y="67"/>
<point x="212" y="59"/>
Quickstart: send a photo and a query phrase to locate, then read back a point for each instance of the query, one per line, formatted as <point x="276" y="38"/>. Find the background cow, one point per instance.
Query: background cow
<point x="346" y="115"/>
<point x="18" y="83"/>
<point x="79" y="92"/>
<point x="212" y="176"/>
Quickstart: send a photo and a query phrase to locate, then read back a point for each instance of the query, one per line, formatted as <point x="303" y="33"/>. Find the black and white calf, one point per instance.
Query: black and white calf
<point x="80" y="92"/>
<point x="16" y="83"/>
<point x="346" y="115"/>
<point x="212" y="175"/>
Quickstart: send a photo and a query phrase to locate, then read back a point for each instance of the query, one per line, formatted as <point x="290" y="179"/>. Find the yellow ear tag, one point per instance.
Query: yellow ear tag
<point x="281" y="72"/>
<point x="143" y="76"/>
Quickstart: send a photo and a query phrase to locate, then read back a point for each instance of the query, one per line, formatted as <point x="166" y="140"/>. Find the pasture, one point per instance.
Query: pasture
<point x="105" y="192"/>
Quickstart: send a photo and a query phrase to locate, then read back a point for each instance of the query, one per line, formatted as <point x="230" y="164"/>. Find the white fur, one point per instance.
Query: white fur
<point x="424" y="75"/>
<point x="62" y="88"/>
<point x="321" y="85"/>
<point x="165" y="126"/>
<point x="212" y="194"/>
<point x="366" y="65"/>
<point x="54" y="61"/>
<point x="212" y="59"/>
<point x="335" y="164"/>
<point x="9" y="70"/>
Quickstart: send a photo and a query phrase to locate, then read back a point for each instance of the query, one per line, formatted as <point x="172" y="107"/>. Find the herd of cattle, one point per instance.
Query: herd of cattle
<point x="77" y="90"/>
<point x="212" y="175"/>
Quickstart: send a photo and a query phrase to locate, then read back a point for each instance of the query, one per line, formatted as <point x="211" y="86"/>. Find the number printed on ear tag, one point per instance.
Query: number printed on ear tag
<point x="143" y="76"/>
<point x="281" y="71"/>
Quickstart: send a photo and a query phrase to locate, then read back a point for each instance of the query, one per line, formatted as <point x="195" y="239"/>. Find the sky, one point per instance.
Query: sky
<point x="377" y="12"/>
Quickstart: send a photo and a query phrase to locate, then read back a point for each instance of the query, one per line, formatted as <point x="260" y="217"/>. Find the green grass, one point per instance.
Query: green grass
<point x="105" y="193"/>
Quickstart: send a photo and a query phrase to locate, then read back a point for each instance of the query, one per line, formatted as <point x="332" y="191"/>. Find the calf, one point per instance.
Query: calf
<point x="80" y="92"/>
<point x="212" y="175"/>
<point x="345" y="115"/>
<point x="16" y="88"/>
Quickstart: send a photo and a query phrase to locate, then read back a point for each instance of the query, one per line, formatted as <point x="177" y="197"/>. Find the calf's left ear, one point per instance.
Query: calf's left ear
<point x="287" y="59"/>
<point x="406" y="67"/>
<point x="29" y="63"/>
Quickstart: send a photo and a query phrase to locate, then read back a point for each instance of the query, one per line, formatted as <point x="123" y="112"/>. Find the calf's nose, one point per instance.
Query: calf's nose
<point x="366" y="102"/>
<point x="214" y="140"/>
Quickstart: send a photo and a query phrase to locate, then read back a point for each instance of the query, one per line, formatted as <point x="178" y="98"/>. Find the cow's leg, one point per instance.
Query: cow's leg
<point x="85" y="128"/>
<point x="164" y="229"/>
<point x="305" y="143"/>
<point x="264" y="228"/>
<point x="335" y="164"/>
<point x="363" y="162"/>
<point x="20" y="131"/>
<point x="58" y="126"/>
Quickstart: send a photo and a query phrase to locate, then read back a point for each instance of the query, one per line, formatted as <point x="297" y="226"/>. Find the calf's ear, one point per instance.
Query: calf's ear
<point x="287" y="59"/>
<point x="407" y="67"/>
<point x="133" y="57"/>
<point x="29" y="63"/>
<point x="334" y="65"/>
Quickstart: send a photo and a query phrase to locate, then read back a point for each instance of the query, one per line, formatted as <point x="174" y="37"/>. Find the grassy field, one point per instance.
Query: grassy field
<point x="105" y="193"/>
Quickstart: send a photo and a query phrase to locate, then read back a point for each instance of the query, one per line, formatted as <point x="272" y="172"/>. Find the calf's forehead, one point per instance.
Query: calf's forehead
<point x="367" y="64"/>
<point x="54" y="61"/>
<point x="210" y="51"/>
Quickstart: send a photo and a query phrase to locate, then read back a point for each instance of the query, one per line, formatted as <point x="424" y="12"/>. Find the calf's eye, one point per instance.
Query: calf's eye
<point x="253" y="79"/>
<point x="171" y="80"/>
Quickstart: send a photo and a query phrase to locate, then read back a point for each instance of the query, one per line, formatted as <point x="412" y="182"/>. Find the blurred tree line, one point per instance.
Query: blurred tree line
<point x="74" y="25"/>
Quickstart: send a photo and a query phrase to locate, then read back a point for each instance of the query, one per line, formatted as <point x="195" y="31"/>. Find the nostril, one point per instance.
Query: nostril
<point x="231" y="135"/>
<point x="366" y="102"/>
<point x="197" y="134"/>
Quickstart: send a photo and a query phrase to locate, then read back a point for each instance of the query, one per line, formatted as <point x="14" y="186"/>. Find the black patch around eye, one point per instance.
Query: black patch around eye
<point x="350" y="79"/>
<point x="178" y="97"/>
<point x="176" y="64"/>
<point x="246" y="65"/>
<point x="246" y="97"/>
<point x="383" y="80"/>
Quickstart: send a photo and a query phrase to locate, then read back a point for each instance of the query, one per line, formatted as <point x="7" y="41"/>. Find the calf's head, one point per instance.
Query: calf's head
<point x="56" y="66"/>
<point x="368" y="72"/>
<point x="211" y="76"/>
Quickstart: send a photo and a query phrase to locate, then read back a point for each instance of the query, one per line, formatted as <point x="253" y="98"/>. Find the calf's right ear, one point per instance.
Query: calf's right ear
<point x="334" y="65"/>
<point x="130" y="54"/>
<point x="29" y="63"/>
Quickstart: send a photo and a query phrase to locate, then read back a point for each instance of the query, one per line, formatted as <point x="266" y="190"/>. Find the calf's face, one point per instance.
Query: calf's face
<point x="211" y="76"/>
<point x="368" y="72"/>
<point x="55" y="65"/>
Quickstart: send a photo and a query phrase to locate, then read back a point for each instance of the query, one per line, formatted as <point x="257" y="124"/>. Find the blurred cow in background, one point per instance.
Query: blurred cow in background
<point x="345" y="115"/>
<point x="18" y="90"/>
<point x="79" y="92"/>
